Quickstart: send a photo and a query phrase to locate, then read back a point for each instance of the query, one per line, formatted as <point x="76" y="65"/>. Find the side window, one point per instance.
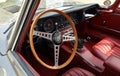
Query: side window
<point x="9" y="12"/>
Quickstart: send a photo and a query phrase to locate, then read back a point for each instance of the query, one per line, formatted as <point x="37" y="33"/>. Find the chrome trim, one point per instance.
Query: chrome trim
<point x="17" y="66"/>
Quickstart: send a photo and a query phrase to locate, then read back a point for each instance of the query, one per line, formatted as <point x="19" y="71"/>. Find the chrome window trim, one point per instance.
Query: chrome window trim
<point x="18" y="65"/>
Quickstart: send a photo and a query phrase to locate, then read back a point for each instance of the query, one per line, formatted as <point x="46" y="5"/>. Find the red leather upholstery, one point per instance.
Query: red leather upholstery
<point x="112" y="66"/>
<point x="107" y="47"/>
<point x="113" y="63"/>
<point x="77" y="72"/>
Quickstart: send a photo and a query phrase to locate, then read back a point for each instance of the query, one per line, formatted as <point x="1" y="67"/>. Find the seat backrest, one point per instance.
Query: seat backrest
<point x="103" y="48"/>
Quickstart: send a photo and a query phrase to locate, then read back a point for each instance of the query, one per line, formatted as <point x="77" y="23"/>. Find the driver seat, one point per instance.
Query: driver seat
<point x="77" y="72"/>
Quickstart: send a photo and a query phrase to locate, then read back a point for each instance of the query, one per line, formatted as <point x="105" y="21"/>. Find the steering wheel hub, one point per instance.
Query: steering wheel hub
<point x="57" y="37"/>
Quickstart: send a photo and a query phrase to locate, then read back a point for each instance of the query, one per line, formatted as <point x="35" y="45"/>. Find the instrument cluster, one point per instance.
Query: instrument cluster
<point x="51" y="24"/>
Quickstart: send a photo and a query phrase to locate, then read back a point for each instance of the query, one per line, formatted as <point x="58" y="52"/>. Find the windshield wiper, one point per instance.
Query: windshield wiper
<point x="11" y="25"/>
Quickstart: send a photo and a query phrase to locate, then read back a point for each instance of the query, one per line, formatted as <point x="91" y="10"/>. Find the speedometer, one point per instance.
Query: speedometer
<point x="49" y="25"/>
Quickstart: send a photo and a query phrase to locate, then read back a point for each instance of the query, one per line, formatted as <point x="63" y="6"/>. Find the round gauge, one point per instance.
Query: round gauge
<point x="49" y="25"/>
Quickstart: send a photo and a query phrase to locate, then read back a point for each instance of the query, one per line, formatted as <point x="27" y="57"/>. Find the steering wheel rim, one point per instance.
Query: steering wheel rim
<point x="32" y="45"/>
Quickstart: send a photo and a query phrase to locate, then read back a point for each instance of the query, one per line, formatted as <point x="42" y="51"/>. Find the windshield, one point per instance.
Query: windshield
<point x="9" y="9"/>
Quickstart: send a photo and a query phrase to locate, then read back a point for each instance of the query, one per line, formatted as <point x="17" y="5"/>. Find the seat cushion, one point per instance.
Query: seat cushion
<point x="116" y="52"/>
<point x="106" y="47"/>
<point x="77" y="72"/>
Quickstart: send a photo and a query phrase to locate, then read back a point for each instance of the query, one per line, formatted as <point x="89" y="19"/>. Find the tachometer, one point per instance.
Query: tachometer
<point x="49" y="25"/>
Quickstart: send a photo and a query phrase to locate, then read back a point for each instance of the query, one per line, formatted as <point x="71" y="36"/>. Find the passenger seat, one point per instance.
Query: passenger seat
<point x="107" y="47"/>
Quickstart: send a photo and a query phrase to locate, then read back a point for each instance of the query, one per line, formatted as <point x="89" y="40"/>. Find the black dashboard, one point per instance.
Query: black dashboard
<point x="77" y="13"/>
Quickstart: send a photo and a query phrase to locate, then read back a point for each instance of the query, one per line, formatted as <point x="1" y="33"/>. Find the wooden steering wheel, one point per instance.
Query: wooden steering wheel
<point x="57" y="38"/>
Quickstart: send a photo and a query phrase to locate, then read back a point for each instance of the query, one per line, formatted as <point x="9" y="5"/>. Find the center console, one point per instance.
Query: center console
<point x="87" y="57"/>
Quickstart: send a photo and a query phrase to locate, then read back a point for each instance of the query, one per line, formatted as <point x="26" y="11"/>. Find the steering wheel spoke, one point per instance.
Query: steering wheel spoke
<point x="56" y="54"/>
<point x="44" y="35"/>
<point x="68" y="38"/>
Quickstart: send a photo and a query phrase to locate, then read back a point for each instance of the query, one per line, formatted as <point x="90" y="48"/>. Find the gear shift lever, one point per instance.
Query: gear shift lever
<point x="81" y="42"/>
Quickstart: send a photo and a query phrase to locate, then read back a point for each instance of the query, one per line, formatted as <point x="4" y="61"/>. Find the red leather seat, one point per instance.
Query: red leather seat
<point x="77" y="72"/>
<point x="107" y="47"/>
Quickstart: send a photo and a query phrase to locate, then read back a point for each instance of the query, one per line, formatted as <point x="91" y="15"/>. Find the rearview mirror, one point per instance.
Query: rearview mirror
<point x="107" y="3"/>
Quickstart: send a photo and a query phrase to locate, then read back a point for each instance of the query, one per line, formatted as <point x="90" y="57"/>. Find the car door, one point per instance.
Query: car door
<point x="10" y="63"/>
<point x="108" y="20"/>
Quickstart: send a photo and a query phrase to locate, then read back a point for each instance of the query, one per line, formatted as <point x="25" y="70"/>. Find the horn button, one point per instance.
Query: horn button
<point x="57" y="37"/>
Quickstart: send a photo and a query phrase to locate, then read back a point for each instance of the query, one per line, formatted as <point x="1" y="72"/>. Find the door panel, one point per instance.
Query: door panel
<point x="108" y="22"/>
